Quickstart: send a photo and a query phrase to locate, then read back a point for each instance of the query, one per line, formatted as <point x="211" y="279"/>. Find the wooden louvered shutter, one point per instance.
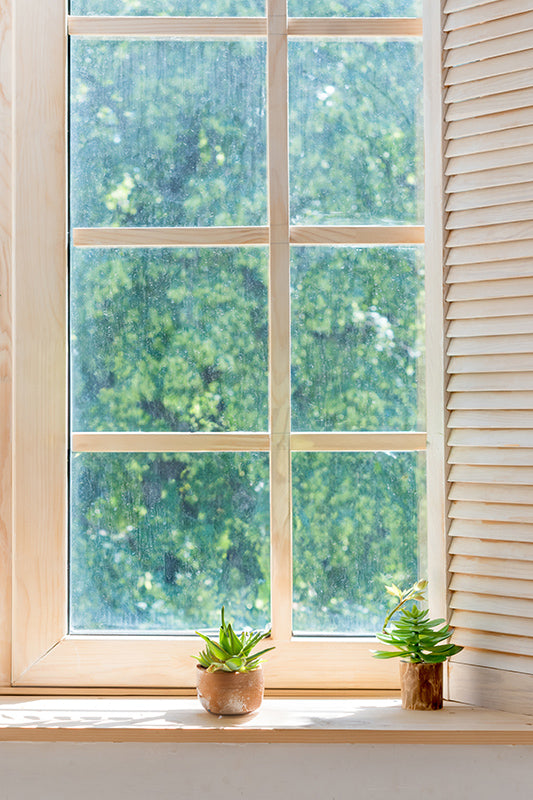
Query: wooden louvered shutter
<point x="488" y="80"/>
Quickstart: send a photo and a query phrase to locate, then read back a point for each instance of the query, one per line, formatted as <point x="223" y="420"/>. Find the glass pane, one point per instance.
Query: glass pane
<point x="355" y="8"/>
<point x="170" y="340"/>
<point x="354" y="123"/>
<point x="168" y="133"/>
<point x="160" y="541"/>
<point x="357" y="338"/>
<point x="173" y="8"/>
<point x="357" y="525"/>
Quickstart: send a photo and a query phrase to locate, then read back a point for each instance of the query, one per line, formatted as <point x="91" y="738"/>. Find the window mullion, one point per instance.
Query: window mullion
<point x="279" y="313"/>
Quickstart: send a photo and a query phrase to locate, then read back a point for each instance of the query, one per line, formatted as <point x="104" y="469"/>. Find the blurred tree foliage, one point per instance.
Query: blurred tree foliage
<point x="174" y="133"/>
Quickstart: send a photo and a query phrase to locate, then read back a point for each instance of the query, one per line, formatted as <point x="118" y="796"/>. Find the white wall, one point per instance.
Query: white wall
<point x="35" y="771"/>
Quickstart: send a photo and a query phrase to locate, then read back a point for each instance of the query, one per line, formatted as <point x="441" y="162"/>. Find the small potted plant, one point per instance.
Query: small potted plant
<point x="418" y="641"/>
<point x="229" y="676"/>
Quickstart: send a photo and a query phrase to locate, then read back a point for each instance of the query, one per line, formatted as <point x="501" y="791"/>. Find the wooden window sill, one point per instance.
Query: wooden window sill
<point x="293" y="720"/>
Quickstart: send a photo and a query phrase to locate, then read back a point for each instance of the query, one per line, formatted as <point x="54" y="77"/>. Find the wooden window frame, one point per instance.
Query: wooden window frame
<point x="44" y="654"/>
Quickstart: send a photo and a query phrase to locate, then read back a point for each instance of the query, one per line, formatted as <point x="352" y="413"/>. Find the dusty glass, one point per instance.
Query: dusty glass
<point x="167" y="133"/>
<point x="355" y="132"/>
<point x="357" y="338"/>
<point x="358" y="524"/>
<point x="159" y="541"/>
<point x="169" y="340"/>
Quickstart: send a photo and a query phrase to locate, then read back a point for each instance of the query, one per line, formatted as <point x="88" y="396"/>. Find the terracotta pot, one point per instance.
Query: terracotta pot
<point x="230" y="692"/>
<point x="421" y="686"/>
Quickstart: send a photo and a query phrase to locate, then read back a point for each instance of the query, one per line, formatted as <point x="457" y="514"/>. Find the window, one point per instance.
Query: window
<point x="346" y="261"/>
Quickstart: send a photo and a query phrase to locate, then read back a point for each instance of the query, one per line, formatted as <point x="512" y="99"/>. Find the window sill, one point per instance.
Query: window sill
<point x="332" y="720"/>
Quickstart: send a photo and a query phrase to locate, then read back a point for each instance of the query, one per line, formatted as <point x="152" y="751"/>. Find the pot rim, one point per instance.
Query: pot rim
<point x="230" y="672"/>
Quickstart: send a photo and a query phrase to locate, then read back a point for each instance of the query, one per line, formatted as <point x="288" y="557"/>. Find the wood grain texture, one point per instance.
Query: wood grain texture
<point x="502" y="270"/>
<point x="519" y="571"/>
<point x="503" y="121"/>
<point x="6" y="338"/>
<point x="279" y="320"/>
<point x="492" y="382"/>
<point x="168" y="237"/>
<point x="489" y="67"/>
<point x="280" y="719"/>
<point x="494" y="196"/>
<point x="482" y="290"/>
<point x="483" y="13"/>
<point x="391" y="27"/>
<point x="502" y="587"/>
<point x="503" y="45"/>
<point x="492" y="512"/>
<point x="40" y="251"/>
<point x="110" y="442"/>
<point x="491" y="28"/>
<point x="436" y="454"/>
<point x="483" y="142"/>
<point x="492" y="85"/>
<point x="519" y="305"/>
<point x="367" y="442"/>
<point x="492" y="345"/>
<point x="507" y="690"/>
<point x="166" y="27"/>
<point x="498" y="531"/>
<point x="155" y="661"/>
<point x="357" y="234"/>
<point x="492" y="159"/>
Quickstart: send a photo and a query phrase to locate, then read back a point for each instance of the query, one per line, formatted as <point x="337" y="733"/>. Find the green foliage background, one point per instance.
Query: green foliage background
<point x="174" y="133"/>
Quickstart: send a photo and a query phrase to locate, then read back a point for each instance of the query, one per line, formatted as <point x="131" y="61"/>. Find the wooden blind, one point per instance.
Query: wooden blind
<point x="488" y="78"/>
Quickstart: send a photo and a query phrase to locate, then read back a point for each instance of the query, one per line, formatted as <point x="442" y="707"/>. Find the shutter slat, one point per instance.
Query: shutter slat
<point x="502" y="176"/>
<point x="491" y="345"/>
<point x="500" y="46"/>
<point x="500" y="531"/>
<point x="491" y="419"/>
<point x="492" y="159"/>
<point x="474" y="273"/>
<point x="480" y="437"/>
<point x="485" y="290"/>
<point x="520" y="571"/>
<point x="485" y="142"/>
<point x="490" y="493"/>
<point x="486" y="31"/>
<point x="490" y="252"/>
<point x="493" y="104"/>
<point x="492" y="512"/>
<point x="513" y="607"/>
<point x="484" y="640"/>
<point x="492" y="456"/>
<point x="487" y="234"/>
<point x="494" y="326"/>
<point x="489" y="68"/>
<point x="489" y="86"/>
<point x="486" y="198"/>
<point x="495" y="307"/>
<point x="492" y="660"/>
<point x="494" y="623"/>
<point x="491" y="382"/>
<point x="500" y="587"/>
<point x="483" y="13"/>
<point x="459" y="5"/>
<point x="488" y="124"/>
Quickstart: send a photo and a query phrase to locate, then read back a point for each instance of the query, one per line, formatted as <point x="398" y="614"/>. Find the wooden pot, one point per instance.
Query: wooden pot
<point x="230" y="692"/>
<point x="421" y="686"/>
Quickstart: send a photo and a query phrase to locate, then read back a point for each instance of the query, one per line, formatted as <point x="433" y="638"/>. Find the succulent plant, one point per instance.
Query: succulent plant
<point x="232" y="652"/>
<point x="416" y="637"/>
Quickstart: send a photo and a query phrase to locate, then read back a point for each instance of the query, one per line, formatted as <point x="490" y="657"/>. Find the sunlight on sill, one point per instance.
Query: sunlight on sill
<point x="291" y="720"/>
